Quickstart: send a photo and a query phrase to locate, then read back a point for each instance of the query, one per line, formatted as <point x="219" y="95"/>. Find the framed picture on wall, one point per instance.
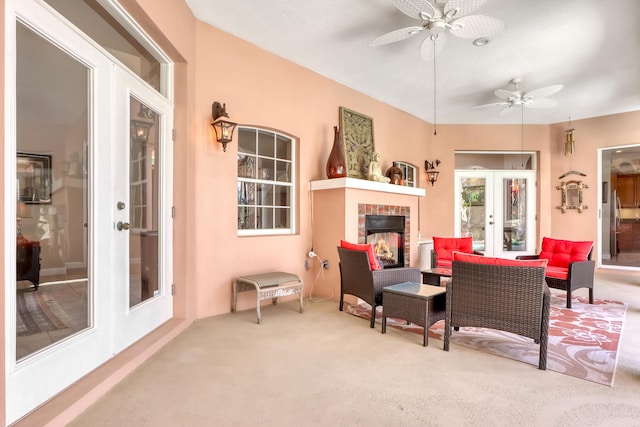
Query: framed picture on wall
<point x="33" y="177"/>
<point x="357" y="142"/>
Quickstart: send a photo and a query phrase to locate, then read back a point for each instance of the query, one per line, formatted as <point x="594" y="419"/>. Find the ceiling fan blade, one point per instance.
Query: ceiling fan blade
<point x="541" y="103"/>
<point x="493" y="104"/>
<point x="475" y="26"/>
<point x="396" y="36"/>
<point x="415" y="8"/>
<point x="429" y="48"/>
<point x="507" y="94"/>
<point x="464" y="7"/>
<point x="506" y="110"/>
<point x="543" y="92"/>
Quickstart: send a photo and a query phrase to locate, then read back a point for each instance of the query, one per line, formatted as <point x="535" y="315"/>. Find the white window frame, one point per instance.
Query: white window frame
<point x="269" y="180"/>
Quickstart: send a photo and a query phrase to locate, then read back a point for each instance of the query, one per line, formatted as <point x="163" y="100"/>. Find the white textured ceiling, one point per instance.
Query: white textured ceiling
<point x="592" y="47"/>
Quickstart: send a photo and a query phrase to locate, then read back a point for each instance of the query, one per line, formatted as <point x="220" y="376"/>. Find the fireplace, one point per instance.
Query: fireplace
<point x="387" y="233"/>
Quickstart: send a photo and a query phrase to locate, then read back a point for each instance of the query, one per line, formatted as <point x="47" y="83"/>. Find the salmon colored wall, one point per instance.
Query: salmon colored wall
<point x="591" y="134"/>
<point x="437" y="209"/>
<point x="3" y="349"/>
<point x="262" y="89"/>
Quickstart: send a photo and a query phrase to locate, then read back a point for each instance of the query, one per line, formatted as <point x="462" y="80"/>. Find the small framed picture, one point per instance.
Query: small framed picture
<point x="33" y="177"/>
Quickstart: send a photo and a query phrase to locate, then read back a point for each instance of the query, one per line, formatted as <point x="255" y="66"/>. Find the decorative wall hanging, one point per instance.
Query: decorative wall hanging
<point x="572" y="195"/>
<point x="357" y="142"/>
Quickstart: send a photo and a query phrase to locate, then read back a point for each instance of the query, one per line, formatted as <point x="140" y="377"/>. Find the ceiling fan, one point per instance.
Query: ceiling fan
<point x="536" y="98"/>
<point x="437" y="19"/>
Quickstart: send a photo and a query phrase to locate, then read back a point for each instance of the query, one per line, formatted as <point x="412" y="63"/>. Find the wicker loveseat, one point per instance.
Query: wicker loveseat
<point x="570" y="266"/>
<point x="358" y="279"/>
<point x="507" y="295"/>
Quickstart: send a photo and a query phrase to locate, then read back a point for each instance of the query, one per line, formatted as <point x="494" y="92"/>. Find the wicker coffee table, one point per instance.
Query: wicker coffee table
<point x="421" y="304"/>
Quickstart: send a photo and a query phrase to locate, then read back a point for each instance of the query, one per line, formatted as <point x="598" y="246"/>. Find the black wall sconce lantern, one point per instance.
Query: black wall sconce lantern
<point x="223" y="128"/>
<point x="432" y="174"/>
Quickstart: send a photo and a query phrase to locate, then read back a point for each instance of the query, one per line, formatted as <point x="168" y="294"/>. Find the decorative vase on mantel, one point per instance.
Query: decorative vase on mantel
<point x="336" y="165"/>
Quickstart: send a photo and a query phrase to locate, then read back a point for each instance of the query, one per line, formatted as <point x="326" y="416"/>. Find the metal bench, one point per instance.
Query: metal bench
<point x="267" y="285"/>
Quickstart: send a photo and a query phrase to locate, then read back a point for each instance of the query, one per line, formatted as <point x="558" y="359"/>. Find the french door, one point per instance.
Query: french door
<point x="498" y="209"/>
<point x="90" y="161"/>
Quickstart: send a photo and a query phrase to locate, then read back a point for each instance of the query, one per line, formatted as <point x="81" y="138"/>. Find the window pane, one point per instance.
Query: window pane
<point x="266" y="144"/>
<point x="98" y="24"/>
<point x="282" y="195"/>
<point x="283" y="171"/>
<point x="281" y="217"/>
<point x="246" y="166"/>
<point x="247" y="141"/>
<point x="265" y="218"/>
<point x="283" y="148"/>
<point x="265" y="192"/>
<point x="266" y="168"/>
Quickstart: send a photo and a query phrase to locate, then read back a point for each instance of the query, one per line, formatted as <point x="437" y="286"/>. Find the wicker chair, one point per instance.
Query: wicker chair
<point x="357" y="279"/>
<point x="508" y="298"/>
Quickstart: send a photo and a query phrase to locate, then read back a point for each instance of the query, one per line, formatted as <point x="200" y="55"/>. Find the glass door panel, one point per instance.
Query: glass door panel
<point x="472" y="210"/>
<point x="497" y="208"/>
<point x="142" y="196"/>
<point x="144" y="149"/>
<point x="52" y="281"/>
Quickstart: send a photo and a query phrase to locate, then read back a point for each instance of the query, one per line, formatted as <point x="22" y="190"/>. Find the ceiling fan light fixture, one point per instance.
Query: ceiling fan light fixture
<point x="482" y="41"/>
<point x="437" y="27"/>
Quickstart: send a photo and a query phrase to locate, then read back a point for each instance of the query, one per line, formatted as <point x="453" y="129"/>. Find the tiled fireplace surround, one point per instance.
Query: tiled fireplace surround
<point x="368" y="209"/>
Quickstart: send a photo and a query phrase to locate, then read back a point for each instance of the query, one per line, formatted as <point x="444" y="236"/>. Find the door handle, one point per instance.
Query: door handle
<point x="122" y="225"/>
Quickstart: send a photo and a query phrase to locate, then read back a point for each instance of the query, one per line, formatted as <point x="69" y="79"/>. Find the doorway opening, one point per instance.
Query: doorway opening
<point x="620" y="207"/>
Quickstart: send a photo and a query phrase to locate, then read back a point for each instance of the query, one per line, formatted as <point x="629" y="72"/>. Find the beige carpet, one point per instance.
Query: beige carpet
<point x="326" y="367"/>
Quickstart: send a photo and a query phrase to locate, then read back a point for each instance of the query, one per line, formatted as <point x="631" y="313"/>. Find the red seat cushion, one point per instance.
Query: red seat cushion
<point x="479" y="259"/>
<point x="562" y="252"/>
<point x="374" y="263"/>
<point x="444" y="247"/>
<point x="557" y="272"/>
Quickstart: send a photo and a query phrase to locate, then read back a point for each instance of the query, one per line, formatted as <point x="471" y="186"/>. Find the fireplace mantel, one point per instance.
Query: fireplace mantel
<point x="363" y="184"/>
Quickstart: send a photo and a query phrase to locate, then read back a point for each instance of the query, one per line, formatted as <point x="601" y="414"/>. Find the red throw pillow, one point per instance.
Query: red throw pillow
<point x="479" y="259"/>
<point x="368" y="248"/>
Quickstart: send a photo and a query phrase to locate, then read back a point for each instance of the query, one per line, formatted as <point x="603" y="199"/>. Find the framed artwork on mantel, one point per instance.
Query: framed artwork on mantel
<point x="357" y="142"/>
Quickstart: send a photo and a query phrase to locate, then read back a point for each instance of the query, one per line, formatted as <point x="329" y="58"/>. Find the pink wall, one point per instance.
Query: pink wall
<point x="262" y="89"/>
<point x="265" y="90"/>
<point x="591" y="134"/>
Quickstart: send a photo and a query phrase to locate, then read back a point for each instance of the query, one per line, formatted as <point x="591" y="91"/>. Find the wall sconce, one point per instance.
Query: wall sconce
<point x="140" y="130"/>
<point x="223" y="128"/>
<point x="432" y="174"/>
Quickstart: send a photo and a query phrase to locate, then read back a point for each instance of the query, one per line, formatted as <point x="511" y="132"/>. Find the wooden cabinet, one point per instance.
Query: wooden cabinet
<point x="629" y="236"/>
<point x="628" y="190"/>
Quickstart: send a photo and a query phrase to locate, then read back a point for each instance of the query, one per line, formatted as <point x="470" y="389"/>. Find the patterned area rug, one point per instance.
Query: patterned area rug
<point x="37" y="312"/>
<point x="583" y="340"/>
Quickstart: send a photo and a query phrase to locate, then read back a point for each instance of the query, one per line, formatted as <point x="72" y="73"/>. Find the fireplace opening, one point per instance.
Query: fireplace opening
<point x="386" y="232"/>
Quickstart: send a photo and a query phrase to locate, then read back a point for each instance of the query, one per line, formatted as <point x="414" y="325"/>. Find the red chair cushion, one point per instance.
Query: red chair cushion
<point x="444" y="247"/>
<point x="374" y="263"/>
<point x="561" y="273"/>
<point x="479" y="259"/>
<point x="562" y="252"/>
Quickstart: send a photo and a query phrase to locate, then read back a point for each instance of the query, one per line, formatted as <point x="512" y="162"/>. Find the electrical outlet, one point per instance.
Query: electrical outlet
<point x="312" y="254"/>
<point x="325" y="264"/>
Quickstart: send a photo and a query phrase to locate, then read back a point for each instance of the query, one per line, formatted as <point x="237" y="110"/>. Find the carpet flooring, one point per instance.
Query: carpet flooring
<point x="583" y="340"/>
